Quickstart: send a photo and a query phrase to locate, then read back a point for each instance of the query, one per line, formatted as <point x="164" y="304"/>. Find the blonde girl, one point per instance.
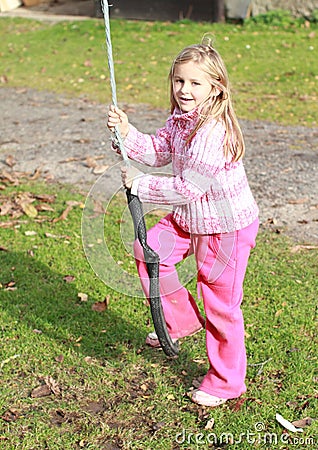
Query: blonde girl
<point x="214" y="215"/>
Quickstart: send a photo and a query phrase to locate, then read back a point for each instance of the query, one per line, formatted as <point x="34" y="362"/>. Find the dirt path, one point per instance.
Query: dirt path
<point x="67" y="139"/>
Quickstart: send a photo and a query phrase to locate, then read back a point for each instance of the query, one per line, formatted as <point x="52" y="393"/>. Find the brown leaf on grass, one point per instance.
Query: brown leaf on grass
<point x="83" y="297"/>
<point x="302" y="423"/>
<point x="24" y="201"/>
<point x="55" y="236"/>
<point x="69" y="278"/>
<point x="3" y="249"/>
<point x="49" y="387"/>
<point x="11" y="223"/>
<point x="196" y="382"/>
<point x="10" y="161"/>
<point x="11" y="415"/>
<point x="4" y="79"/>
<point x="298" y="248"/>
<point x="238" y="405"/>
<point x="53" y="385"/>
<point x="58" y="417"/>
<point x="59" y="358"/>
<point x="29" y="210"/>
<point x="95" y="407"/>
<point x="65" y="213"/>
<point x="44" y="207"/>
<point x="30" y="233"/>
<point x="46" y="198"/>
<point x="10" y="286"/>
<point x="88" y="63"/>
<point x="210" y="424"/>
<point x="101" y="306"/>
<point x="41" y="391"/>
<point x="98" y="208"/>
<point x="6" y="208"/>
<point x="8" y="177"/>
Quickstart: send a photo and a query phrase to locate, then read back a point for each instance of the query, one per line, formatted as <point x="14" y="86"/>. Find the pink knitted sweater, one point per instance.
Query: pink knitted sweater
<point x="208" y="193"/>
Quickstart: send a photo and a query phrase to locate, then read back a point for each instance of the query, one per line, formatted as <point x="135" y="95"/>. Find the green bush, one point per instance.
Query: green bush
<point x="277" y="18"/>
<point x="314" y="16"/>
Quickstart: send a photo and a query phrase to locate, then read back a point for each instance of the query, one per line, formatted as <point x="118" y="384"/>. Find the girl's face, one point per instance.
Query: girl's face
<point x="191" y="85"/>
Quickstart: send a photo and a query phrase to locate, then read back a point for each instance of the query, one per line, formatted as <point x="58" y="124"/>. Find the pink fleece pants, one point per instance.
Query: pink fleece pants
<point x="221" y="261"/>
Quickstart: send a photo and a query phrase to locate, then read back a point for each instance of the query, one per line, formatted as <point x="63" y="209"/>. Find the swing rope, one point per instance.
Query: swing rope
<point x="152" y="259"/>
<point x="118" y="138"/>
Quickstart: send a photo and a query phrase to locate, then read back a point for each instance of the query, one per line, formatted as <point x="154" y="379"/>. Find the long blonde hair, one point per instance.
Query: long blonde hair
<point x="217" y="106"/>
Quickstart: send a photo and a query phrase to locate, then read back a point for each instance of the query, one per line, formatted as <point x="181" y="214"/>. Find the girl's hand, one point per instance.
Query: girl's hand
<point x="128" y="174"/>
<point x="117" y="117"/>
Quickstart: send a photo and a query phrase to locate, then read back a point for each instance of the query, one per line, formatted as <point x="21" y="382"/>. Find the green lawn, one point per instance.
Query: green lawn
<point x="273" y="70"/>
<point x="101" y="387"/>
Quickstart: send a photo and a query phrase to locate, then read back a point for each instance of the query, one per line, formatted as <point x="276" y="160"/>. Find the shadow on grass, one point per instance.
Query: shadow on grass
<point x="38" y="299"/>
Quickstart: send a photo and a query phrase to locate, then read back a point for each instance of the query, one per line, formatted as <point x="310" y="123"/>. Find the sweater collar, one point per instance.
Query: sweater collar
<point x="189" y="117"/>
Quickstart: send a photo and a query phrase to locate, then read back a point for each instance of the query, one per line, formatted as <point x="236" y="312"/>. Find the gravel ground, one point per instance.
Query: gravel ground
<point x="68" y="141"/>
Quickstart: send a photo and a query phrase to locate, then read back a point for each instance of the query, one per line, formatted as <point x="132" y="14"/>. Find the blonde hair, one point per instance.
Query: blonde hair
<point x="218" y="105"/>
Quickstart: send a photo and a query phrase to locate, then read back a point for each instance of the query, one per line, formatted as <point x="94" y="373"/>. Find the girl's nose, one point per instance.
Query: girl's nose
<point x="185" y="88"/>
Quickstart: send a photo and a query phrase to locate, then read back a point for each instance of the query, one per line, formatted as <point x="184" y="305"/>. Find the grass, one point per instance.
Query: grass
<point x="273" y="70"/>
<point x="74" y="370"/>
<point x="107" y="389"/>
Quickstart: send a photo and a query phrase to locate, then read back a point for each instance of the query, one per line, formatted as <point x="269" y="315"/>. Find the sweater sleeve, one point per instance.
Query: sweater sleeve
<point x="194" y="171"/>
<point x="151" y="150"/>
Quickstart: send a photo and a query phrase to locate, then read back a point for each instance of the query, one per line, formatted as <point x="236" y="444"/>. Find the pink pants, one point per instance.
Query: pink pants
<point x="221" y="264"/>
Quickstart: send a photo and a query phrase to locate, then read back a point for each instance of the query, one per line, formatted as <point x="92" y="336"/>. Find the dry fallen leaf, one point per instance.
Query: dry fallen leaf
<point x="287" y="424"/>
<point x="90" y="162"/>
<point x="59" y="358"/>
<point x="53" y="385"/>
<point x="298" y="248"/>
<point x="239" y="404"/>
<point x="210" y="424"/>
<point x="6" y="176"/>
<point x="30" y="233"/>
<point x="95" y="407"/>
<point x="36" y="174"/>
<point x="83" y="297"/>
<point x="64" y="214"/>
<point x="6" y="208"/>
<point x="298" y="201"/>
<point x="29" y="209"/>
<point x="98" y="170"/>
<point x="3" y="79"/>
<point x="46" y="198"/>
<point x="302" y="423"/>
<point x="11" y="415"/>
<point x="101" y="306"/>
<point x="69" y="278"/>
<point x="10" y="161"/>
<point x="41" y="391"/>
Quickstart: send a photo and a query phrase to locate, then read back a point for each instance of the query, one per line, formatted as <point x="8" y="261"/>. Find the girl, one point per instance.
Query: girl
<point x="214" y="215"/>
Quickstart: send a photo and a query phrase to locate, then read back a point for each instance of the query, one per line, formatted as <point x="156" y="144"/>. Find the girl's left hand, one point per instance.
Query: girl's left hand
<point x="128" y="174"/>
